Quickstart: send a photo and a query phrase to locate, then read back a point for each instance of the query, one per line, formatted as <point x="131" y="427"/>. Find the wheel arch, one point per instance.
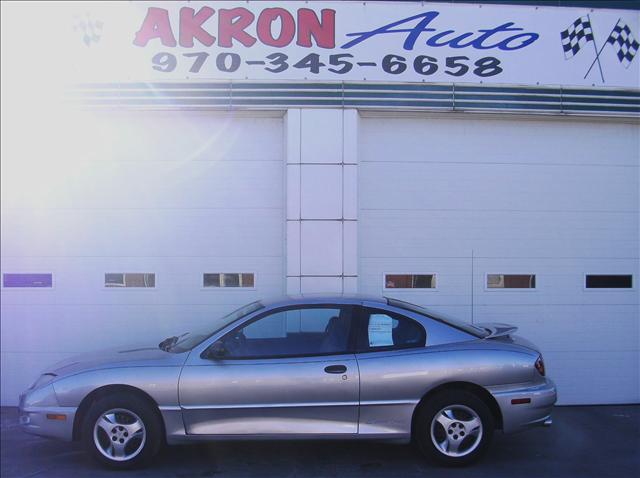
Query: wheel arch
<point x="104" y="391"/>
<point x="476" y="389"/>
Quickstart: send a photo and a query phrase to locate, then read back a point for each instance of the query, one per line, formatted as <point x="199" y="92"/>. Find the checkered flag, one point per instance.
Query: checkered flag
<point x="91" y="30"/>
<point x="625" y="45"/>
<point x="576" y="36"/>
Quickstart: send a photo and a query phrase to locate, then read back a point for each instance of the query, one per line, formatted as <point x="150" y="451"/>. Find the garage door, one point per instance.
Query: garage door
<point x="471" y="202"/>
<point x="156" y="199"/>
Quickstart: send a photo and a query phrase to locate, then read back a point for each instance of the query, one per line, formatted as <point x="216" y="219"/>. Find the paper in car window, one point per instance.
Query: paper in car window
<point x="380" y="330"/>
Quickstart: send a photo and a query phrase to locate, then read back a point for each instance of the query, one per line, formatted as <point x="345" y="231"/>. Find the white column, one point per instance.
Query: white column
<point x="322" y="208"/>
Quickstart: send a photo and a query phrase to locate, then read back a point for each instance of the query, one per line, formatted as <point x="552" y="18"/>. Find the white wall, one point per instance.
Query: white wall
<point x="178" y="194"/>
<point x="462" y="196"/>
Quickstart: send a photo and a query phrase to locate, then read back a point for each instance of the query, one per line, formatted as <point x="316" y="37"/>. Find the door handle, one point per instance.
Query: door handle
<point x="335" y="369"/>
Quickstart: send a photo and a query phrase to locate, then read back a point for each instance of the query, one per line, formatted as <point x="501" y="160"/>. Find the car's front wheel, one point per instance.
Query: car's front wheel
<point x="454" y="428"/>
<point x="121" y="431"/>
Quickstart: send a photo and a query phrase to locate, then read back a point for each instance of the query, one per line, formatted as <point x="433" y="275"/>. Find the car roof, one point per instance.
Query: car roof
<point x="286" y="300"/>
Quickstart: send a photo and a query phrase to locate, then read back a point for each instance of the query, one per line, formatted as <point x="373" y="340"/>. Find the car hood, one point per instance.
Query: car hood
<point x="130" y="356"/>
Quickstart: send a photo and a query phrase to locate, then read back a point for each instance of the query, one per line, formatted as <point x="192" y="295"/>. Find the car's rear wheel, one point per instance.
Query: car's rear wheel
<point x="122" y="431"/>
<point x="454" y="428"/>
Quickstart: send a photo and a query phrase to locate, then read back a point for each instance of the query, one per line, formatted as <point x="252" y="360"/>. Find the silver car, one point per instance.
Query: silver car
<point x="331" y="367"/>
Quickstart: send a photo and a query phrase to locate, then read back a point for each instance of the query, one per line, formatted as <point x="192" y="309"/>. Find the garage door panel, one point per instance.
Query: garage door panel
<point x="455" y="266"/>
<point x="149" y="184"/>
<point x="152" y="232"/>
<point x="498" y="187"/>
<point x="451" y="288"/>
<point x="545" y="294"/>
<point x="484" y="140"/>
<point x="173" y="136"/>
<point x="601" y="325"/>
<point x="594" y="377"/>
<point x="411" y="233"/>
<point x="106" y="326"/>
<point x="495" y="225"/>
<point x="558" y="280"/>
<point x="80" y="280"/>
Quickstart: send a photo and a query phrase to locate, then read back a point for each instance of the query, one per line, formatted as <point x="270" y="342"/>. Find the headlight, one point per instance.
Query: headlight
<point x="44" y="379"/>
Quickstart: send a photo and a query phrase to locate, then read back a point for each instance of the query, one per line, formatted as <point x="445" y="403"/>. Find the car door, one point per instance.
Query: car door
<point x="391" y="372"/>
<point x="288" y="371"/>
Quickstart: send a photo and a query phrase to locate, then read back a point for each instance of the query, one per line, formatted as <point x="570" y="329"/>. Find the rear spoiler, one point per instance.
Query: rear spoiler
<point x="497" y="330"/>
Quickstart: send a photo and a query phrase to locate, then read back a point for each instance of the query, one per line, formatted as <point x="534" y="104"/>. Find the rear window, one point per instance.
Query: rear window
<point x="464" y="326"/>
<point x="386" y="330"/>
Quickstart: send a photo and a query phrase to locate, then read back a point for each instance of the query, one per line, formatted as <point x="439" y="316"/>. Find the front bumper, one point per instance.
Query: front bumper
<point x="41" y="415"/>
<point x="535" y="412"/>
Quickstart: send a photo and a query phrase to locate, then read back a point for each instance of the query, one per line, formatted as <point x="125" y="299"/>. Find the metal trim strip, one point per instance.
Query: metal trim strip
<point x="437" y="97"/>
<point x="270" y="405"/>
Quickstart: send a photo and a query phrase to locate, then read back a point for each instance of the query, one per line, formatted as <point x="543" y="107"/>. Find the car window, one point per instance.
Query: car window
<point x="385" y="330"/>
<point x="196" y="337"/>
<point x="292" y="332"/>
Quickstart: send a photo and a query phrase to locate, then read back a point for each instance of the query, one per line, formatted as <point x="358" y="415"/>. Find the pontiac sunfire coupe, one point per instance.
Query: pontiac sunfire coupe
<point x="332" y="367"/>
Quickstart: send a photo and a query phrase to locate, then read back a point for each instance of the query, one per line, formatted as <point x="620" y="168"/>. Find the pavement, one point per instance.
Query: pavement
<point x="598" y="441"/>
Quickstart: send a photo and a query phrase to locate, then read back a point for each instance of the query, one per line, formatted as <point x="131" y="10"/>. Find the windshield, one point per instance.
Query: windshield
<point x="189" y="340"/>
<point x="464" y="326"/>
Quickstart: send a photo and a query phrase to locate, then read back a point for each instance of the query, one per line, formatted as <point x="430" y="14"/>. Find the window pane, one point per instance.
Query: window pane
<point x="410" y="281"/>
<point x="114" y="280"/>
<point x="618" y="281"/>
<point x="27" y="280"/>
<point x="307" y="331"/>
<point x="391" y="330"/>
<point x="247" y="280"/>
<point x="139" y="280"/>
<point x="511" y="281"/>
<point x="211" y="280"/>
<point x="228" y="279"/>
<point x="130" y="279"/>
<point x="231" y="280"/>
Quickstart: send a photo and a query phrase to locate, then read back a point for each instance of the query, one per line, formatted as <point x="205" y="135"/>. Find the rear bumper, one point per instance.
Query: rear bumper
<point x="535" y="412"/>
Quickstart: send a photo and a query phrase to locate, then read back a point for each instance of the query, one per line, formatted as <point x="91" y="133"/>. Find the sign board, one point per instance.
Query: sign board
<point x="349" y="41"/>
<point x="380" y="330"/>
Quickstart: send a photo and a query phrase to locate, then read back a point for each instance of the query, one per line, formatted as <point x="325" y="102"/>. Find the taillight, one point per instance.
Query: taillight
<point x="540" y="365"/>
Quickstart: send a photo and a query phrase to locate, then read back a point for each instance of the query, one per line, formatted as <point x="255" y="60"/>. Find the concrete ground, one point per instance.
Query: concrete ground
<point x="583" y="442"/>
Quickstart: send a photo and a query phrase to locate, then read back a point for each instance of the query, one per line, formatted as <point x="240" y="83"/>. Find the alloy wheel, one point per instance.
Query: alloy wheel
<point x="456" y="430"/>
<point x="119" y="434"/>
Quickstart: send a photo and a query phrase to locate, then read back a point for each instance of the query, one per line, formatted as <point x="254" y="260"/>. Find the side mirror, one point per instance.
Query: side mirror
<point x="216" y="351"/>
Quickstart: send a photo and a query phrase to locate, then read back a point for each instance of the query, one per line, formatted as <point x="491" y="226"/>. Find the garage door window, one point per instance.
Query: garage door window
<point x="22" y="281"/>
<point x="409" y="281"/>
<point x="130" y="279"/>
<point x="228" y="279"/>
<point x="511" y="281"/>
<point x="609" y="281"/>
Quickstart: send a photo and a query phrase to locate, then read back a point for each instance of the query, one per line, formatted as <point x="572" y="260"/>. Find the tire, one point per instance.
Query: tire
<point x="122" y="431"/>
<point x="454" y="428"/>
